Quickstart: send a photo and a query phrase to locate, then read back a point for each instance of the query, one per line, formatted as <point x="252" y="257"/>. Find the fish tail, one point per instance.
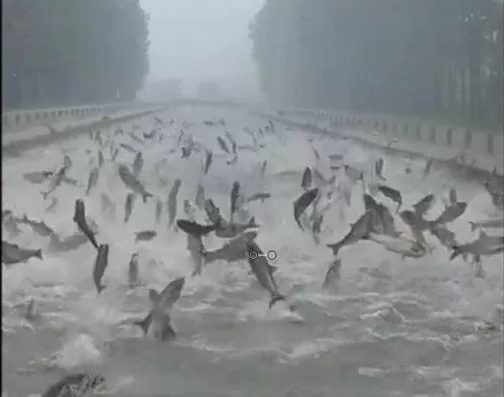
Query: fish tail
<point x="456" y="252"/>
<point x="275" y="298"/>
<point x="144" y="324"/>
<point x="38" y="254"/>
<point x="335" y="248"/>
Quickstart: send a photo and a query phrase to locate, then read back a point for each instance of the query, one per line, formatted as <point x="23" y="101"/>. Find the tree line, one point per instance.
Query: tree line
<point x="69" y="52"/>
<point x="429" y="58"/>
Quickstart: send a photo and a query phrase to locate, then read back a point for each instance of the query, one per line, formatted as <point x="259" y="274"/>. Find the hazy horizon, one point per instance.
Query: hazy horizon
<point x="196" y="40"/>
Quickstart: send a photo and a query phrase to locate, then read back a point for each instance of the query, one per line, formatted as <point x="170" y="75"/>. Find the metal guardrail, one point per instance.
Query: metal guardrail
<point x="462" y="139"/>
<point x="22" y="118"/>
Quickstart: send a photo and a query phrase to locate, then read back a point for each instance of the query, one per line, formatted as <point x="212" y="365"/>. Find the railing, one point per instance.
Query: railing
<point x="22" y="118"/>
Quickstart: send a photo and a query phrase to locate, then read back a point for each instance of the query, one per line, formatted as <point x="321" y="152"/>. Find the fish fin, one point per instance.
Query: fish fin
<point x="167" y="333"/>
<point x="473" y="226"/>
<point x="38" y="254"/>
<point x="252" y="222"/>
<point x="272" y="269"/>
<point x="456" y="252"/>
<point x="44" y="195"/>
<point x="145" y="196"/>
<point x="483" y="234"/>
<point x="275" y="298"/>
<point x="145" y="323"/>
<point x="100" y="288"/>
<point x="25" y="218"/>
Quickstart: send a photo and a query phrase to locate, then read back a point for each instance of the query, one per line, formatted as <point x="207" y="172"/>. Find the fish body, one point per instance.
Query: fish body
<point x="159" y="210"/>
<point x="232" y="251"/>
<point x="451" y="213"/>
<point x="263" y="272"/>
<point x="138" y="164"/>
<point x="132" y="182"/>
<point x="358" y="231"/>
<point x="38" y="227"/>
<point x="101" y="263"/>
<point x="12" y="253"/>
<point x="145" y="235"/>
<point x="161" y="304"/>
<point x="55" y="181"/>
<point x="230" y="229"/>
<point x="92" y="180"/>
<point x="172" y="201"/>
<point x="75" y="385"/>
<point x="483" y="245"/>
<point x="490" y="223"/>
<point x="208" y="161"/>
<point x="133" y="280"/>
<point x="69" y="243"/>
<point x="222" y="144"/>
<point x="332" y="274"/>
<point x="200" y="197"/>
<point x="128" y="206"/>
<point x="302" y="203"/>
<point x="424" y="205"/>
<point x="259" y="196"/>
<point x="80" y="219"/>
<point x="392" y="194"/>
<point x="306" y="180"/>
<point x="128" y="148"/>
<point x="194" y="228"/>
<point x="399" y="245"/>
<point x="235" y="192"/>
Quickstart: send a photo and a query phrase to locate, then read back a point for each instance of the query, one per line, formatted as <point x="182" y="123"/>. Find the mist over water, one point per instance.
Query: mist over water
<point x="388" y="327"/>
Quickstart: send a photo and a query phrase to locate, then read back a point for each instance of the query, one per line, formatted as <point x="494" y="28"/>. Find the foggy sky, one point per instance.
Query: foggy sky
<point x="200" y="39"/>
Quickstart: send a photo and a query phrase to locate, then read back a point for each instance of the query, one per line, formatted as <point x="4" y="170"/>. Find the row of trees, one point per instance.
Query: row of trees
<point x="428" y="58"/>
<point x="58" y="52"/>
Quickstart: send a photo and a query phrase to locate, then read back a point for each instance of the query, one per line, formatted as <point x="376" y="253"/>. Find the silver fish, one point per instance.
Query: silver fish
<point x="333" y="273"/>
<point x="159" y="210"/>
<point x="232" y="251"/>
<point x="161" y="304"/>
<point x="483" y="245"/>
<point x="12" y="253"/>
<point x="101" y="263"/>
<point x="399" y="245"/>
<point x="38" y="227"/>
<point x="92" y="180"/>
<point x="263" y="272"/>
<point x="133" y="280"/>
<point x="359" y="230"/>
<point x="200" y="197"/>
<point x="235" y="192"/>
<point x="302" y="203"/>
<point x="145" y="235"/>
<point x="80" y="219"/>
<point x="132" y="182"/>
<point x="128" y="206"/>
<point x="490" y="223"/>
<point x="306" y="180"/>
<point x="259" y="196"/>
<point x="138" y="164"/>
<point x="451" y="213"/>
<point x="75" y="385"/>
<point x="263" y="168"/>
<point x="222" y="144"/>
<point x="172" y="201"/>
<point x="392" y="194"/>
<point x="55" y="181"/>
<point x="208" y="161"/>
<point x="424" y="205"/>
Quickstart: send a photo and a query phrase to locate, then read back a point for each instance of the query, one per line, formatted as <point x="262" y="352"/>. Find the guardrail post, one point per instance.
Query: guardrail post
<point x="433" y="134"/>
<point x="449" y="136"/>
<point x="490" y="144"/>
<point x="468" y="139"/>
<point x="405" y="129"/>
<point x="419" y="131"/>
